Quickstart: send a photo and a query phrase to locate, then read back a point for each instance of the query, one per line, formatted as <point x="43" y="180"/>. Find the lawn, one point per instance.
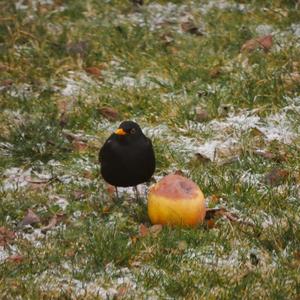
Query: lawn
<point x="214" y="84"/>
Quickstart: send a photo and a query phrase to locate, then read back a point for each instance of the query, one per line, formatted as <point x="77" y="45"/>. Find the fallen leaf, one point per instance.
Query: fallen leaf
<point x="291" y="79"/>
<point x="201" y="115"/>
<point x="74" y="136"/>
<point x="215" y="199"/>
<point x="202" y="158"/>
<point x="276" y="177"/>
<point x="6" y="236"/>
<point x="155" y="229"/>
<point x="63" y="120"/>
<point x="215" y="72"/>
<point x="109" y="113"/>
<point x="188" y="25"/>
<point x="122" y="290"/>
<point x="256" y="132"/>
<point x="167" y="39"/>
<point x="79" y="146"/>
<point x="52" y="223"/>
<point x="265" y="43"/>
<point x="30" y="218"/>
<point x="182" y="245"/>
<point x="16" y="259"/>
<point x="79" y="194"/>
<point x="111" y="190"/>
<point x="93" y="71"/>
<point x="210" y="224"/>
<point x="269" y="155"/>
<point x="143" y="230"/>
<point x="106" y="209"/>
<point x="77" y="48"/>
<point x="213" y="213"/>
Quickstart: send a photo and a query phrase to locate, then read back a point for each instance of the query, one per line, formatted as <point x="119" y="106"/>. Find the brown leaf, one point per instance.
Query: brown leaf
<point x="52" y="223"/>
<point x="77" y="48"/>
<point x="109" y="113"/>
<point x="210" y="223"/>
<point x="276" y="176"/>
<point x="167" y="39"/>
<point x="269" y="155"/>
<point x="16" y="259"/>
<point x="291" y="79"/>
<point x="30" y="218"/>
<point x="106" y="209"/>
<point x="143" y="230"/>
<point x="155" y="229"/>
<point x="189" y="26"/>
<point x="202" y="158"/>
<point x="111" y="190"/>
<point x="264" y="42"/>
<point x="122" y="290"/>
<point x="6" y="236"/>
<point x="213" y="213"/>
<point x="215" y="72"/>
<point x="79" y="146"/>
<point x="79" y="194"/>
<point x="182" y="245"/>
<point x="215" y="198"/>
<point x="93" y="71"/>
<point x="201" y="115"/>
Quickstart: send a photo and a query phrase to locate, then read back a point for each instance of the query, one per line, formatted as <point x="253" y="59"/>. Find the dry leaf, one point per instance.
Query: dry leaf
<point x="213" y="213"/>
<point x="122" y="290"/>
<point x="210" y="224"/>
<point x="143" y="230"/>
<point x="16" y="258"/>
<point x="201" y="115"/>
<point x="93" y="71"/>
<point x="30" y="218"/>
<point x="182" y="245"/>
<point x="269" y="155"/>
<point x="111" y="190"/>
<point x="188" y="25"/>
<point x="106" y="209"/>
<point x="167" y="39"/>
<point x="276" y="177"/>
<point x="78" y="194"/>
<point x="202" y="158"/>
<point x="291" y="79"/>
<point x="6" y="236"/>
<point x="155" y="229"/>
<point x="79" y="146"/>
<point x="264" y="42"/>
<point x="109" y="113"/>
<point x="215" y="72"/>
<point x="77" y="48"/>
<point x="52" y="223"/>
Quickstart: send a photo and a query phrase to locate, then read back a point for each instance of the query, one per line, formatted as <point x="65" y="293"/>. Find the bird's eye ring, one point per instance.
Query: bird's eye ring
<point x="132" y="130"/>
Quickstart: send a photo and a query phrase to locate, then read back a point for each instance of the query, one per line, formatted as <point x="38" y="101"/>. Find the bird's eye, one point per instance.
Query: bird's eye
<point x="132" y="130"/>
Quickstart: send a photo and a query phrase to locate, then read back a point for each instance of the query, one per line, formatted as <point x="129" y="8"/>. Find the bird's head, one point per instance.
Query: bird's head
<point x="129" y="130"/>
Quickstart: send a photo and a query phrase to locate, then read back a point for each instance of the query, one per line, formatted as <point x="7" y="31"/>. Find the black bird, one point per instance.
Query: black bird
<point x="127" y="157"/>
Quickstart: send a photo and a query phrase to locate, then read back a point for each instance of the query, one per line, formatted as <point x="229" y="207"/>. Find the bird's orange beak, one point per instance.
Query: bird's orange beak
<point x="120" y="131"/>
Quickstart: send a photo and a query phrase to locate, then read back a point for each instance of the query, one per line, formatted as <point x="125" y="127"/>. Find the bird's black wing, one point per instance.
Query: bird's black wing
<point x="104" y="151"/>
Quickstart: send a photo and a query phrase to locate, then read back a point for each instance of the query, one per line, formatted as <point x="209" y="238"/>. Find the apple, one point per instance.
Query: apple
<point x="176" y="200"/>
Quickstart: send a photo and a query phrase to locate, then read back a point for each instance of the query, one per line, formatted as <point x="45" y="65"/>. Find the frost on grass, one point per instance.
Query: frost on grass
<point x="227" y="134"/>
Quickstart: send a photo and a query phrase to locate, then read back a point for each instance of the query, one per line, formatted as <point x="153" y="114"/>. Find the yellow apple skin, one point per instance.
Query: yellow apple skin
<point x="176" y="200"/>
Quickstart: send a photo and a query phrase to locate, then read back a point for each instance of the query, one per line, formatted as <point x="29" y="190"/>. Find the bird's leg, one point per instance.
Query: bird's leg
<point x="137" y="194"/>
<point x="117" y="194"/>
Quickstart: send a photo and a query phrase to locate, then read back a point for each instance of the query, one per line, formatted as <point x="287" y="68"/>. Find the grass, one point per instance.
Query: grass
<point x="48" y="92"/>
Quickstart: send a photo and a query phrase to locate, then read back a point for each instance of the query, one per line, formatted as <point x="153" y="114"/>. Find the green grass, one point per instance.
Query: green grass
<point x="96" y="250"/>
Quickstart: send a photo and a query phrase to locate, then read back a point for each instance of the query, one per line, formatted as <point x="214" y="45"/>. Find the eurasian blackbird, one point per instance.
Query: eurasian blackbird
<point x="127" y="157"/>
